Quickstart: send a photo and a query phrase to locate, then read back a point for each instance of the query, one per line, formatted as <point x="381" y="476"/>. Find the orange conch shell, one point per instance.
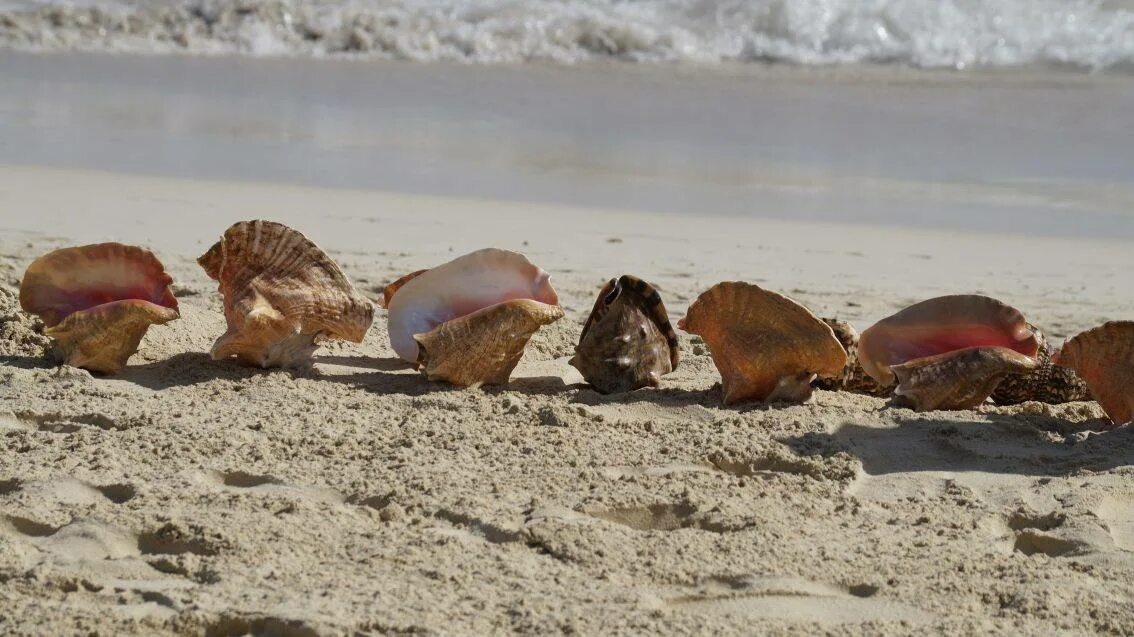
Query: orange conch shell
<point x="960" y="379"/>
<point x="766" y="346"/>
<point x="282" y="295"/>
<point x="627" y="342"/>
<point x="485" y="346"/>
<point x="1104" y="358"/>
<point x="469" y="283"/>
<point x="941" y="325"/>
<point x="98" y="301"/>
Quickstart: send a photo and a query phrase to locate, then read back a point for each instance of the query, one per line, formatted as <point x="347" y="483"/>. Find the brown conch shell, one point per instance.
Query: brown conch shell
<point x="941" y="325"/>
<point x="389" y="290"/>
<point x="282" y="296"/>
<point x="98" y="301"/>
<point x="627" y="342"/>
<point x="1104" y="358"/>
<point x="485" y="346"/>
<point x="766" y="346"/>
<point x="960" y="379"/>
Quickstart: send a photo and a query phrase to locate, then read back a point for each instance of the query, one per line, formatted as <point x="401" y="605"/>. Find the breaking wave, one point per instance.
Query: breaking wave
<point x="922" y="33"/>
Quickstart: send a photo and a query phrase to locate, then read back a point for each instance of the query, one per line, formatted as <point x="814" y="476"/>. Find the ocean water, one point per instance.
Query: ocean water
<point x="959" y="34"/>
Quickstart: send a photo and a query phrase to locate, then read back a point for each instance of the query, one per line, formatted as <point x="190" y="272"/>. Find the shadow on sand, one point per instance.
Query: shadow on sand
<point x="1025" y="445"/>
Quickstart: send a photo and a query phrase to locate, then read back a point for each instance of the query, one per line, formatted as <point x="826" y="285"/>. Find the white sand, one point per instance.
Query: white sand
<point x="189" y="496"/>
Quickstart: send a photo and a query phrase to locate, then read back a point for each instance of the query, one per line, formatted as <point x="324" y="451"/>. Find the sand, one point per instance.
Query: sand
<point x="187" y="496"/>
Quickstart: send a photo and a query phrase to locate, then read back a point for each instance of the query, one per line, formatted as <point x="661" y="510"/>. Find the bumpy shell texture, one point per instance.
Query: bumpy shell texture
<point x="940" y="325"/>
<point x="98" y="301"/>
<point x="485" y="346"/>
<point x="1047" y="383"/>
<point x="627" y="342"/>
<point x="1104" y="358"/>
<point x="282" y="296"/>
<point x="766" y="346"/>
<point x="960" y="379"/>
<point x="469" y="283"/>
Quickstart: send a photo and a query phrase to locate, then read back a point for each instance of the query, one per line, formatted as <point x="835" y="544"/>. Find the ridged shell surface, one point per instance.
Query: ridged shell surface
<point x="763" y="344"/>
<point x="1104" y="358"/>
<point x="282" y="295"/>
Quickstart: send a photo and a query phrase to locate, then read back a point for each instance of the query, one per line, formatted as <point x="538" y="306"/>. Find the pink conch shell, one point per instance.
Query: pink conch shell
<point x="475" y="281"/>
<point x="766" y="346"/>
<point x="389" y="290"/>
<point x="98" y="301"/>
<point x="282" y="296"/>
<point x="941" y="325"/>
<point x="960" y="379"/>
<point x="1104" y="358"/>
<point x="627" y="342"/>
<point x="485" y="346"/>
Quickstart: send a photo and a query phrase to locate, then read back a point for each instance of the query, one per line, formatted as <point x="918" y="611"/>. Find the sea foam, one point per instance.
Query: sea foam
<point x="923" y="33"/>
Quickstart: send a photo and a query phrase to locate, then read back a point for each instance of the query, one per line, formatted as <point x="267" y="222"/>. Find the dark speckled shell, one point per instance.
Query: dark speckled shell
<point x="627" y="342"/>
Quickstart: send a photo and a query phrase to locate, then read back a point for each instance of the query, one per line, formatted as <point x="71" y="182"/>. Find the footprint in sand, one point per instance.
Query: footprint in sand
<point x="791" y="599"/>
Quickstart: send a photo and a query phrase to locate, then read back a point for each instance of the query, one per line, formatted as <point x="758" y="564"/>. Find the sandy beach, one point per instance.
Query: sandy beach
<point x="193" y="496"/>
<point x="186" y="496"/>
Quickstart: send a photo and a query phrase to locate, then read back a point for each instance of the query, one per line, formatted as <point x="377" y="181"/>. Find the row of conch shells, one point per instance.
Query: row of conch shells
<point x="98" y="301"/>
<point x="467" y="321"/>
<point x="282" y="296"/>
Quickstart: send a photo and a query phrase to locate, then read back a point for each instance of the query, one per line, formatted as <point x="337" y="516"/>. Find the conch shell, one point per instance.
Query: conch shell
<point x="389" y="290"/>
<point x="627" y="342"/>
<point x="960" y="379"/>
<point x="941" y="325"/>
<point x="282" y="296"/>
<point x="485" y="346"/>
<point x="1104" y="358"/>
<point x="455" y="320"/>
<point x="98" y="301"/>
<point x="766" y="346"/>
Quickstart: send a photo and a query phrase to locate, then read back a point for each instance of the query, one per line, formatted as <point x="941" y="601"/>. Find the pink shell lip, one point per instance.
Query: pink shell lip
<point x="82" y="278"/>
<point x="940" y="325"/>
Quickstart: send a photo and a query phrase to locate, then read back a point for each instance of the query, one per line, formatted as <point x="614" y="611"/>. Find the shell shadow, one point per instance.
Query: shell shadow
<point x="391" y="364"/>
<point x="1033" y="446"/>
<point x="187" y="368"/>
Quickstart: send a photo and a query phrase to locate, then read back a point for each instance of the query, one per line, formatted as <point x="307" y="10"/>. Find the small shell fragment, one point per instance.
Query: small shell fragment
<point x="627" y="342"/>
<point x="765" y="345"/>
<point x="282" y="296"/>
<point x="1104" y="358"/>
<point x="98" y="301"/>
